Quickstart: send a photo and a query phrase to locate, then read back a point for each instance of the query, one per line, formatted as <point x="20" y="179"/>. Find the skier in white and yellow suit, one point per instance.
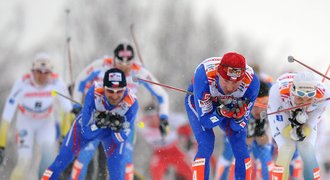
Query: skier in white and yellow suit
<point x="296" y="128"/>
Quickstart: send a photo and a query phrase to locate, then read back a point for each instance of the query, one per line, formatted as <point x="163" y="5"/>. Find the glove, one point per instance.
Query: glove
<point x="164" y="127"/>
<point x="260" y="129"/>
<point x="225" y="109"/>
<point x="297" y="134"/>
<point x="2" y="154"/>
<point x="240" y="109"/>
<point x="101" y="119"/>
<point x="327" y="166"/>
<point x="76" y="109"/>
<point x="302" y="117"/>
<point x="298" y="117"/>
<point x="116" y="121"/>
<point x="261" y="124"/>
<point x="190" y="143"/>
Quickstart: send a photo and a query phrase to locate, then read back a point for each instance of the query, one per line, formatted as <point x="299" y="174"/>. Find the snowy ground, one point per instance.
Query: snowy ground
<point x="141" y="158"/>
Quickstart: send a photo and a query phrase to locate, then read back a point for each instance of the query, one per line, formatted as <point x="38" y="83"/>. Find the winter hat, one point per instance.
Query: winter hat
<point x="114" y="78"/>
<point x="304" y="84"/>
<point x="124" y="52"/>
<point x="42" y="62"/>
<point x="232" y="66"/>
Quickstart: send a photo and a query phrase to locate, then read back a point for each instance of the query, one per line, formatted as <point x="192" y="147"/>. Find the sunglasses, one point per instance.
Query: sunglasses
<point x="234" y="72"/>
<point x="125" y="63"/>
<point x="39" y="71"/>
<point x="113" y="91"/>
<point x="305" y="94"/>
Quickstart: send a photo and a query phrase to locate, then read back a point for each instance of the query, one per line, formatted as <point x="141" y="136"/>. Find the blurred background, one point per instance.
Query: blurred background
<point x="173" y="36"/>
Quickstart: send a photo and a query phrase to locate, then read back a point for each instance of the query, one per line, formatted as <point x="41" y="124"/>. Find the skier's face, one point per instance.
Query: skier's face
<point x="302" y="100"/>
<point x="114" y="95"/>
<point x="302" y="96"/>
<point x="124" y="66"/>
<point x="41" y="77"/>
<point x="228" y="86"/>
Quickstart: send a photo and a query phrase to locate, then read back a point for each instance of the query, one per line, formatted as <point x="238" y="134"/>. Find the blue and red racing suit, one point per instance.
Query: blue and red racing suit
<point x="94" y="72"/>
<point x="201" y="110"/>
<point x="84" y="131"/>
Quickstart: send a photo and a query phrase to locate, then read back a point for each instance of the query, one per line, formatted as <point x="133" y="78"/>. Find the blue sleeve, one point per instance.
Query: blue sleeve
<point x="89" y="129"/>
<point x="130" y="116"/>
<point x="82" y="84"/>
<point x="253" y="89"/>
<point x="132" y="112"/>
<point x="251" y="93"/>
<point x="207" y="114"/>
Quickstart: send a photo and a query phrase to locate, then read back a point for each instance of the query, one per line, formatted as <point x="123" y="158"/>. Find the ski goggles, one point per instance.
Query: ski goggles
<point x="308" y="94"/>
<point x="231" y="73"/>
<point x="124" y="62"/>
<point x="115" y="90"/>
<point x="42" y="71"/>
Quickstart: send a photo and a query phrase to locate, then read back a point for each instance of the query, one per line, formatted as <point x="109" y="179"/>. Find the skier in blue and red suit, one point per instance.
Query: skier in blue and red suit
<point x="224" y="90"/>
<point x="108" y="114"/>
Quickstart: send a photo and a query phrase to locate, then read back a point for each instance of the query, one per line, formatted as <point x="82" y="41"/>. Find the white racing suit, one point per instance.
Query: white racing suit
<point x="281" y="98"/>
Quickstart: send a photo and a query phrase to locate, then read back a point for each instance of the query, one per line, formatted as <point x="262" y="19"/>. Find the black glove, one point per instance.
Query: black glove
<point x="164" y="126"/>
<point x="300" y="134"/>
<point x="293" y="119"/>
<point x="190" y="143"/>
<point x="76" y="109"/>
<point x="327" y="166"/>
<point x="261" y="124"/>
<point x="101" y="119"/>
<point x="260" y="129"/>
<point x="116" y="121"/>
<point x="2" y="154"/>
